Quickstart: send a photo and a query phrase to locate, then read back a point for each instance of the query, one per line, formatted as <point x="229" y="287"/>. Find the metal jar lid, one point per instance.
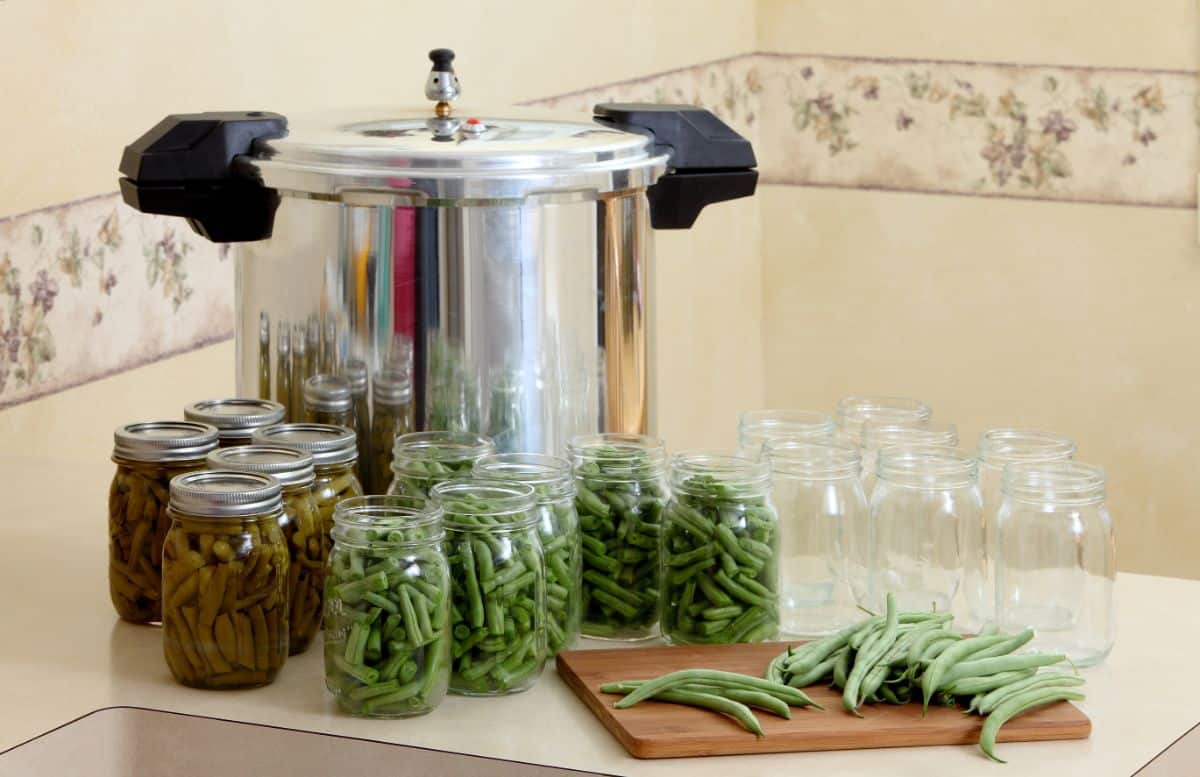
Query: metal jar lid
<point x="225" y="494"/>
<point x="164" y="441"/>
<point x="325" y="443"/>
<point x="290" y="466"/>
<point x="235" y="419"/>
<point x="328" y="394"/>
<point x="392" y="387"/>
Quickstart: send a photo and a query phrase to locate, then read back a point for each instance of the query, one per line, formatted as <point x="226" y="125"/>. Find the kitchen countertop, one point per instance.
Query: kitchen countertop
<point x="64" y="653"/>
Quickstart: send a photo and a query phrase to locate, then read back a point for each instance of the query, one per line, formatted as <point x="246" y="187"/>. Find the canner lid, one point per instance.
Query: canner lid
<point x="470" y="154"/>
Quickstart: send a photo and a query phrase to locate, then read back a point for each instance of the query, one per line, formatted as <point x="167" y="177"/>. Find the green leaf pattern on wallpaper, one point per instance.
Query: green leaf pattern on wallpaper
<point x="91" y="287"/>
<point x="1126" y="137"/>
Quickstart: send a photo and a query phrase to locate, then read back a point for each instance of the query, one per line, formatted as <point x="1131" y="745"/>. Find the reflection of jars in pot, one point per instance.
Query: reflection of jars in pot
<point x="225" y="570"/>
<point x="147" y="456"/>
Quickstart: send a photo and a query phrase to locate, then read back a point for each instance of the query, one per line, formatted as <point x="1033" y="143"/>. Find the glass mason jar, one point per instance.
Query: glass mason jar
<point x="997" y="449"/>
<point x="825" y="523"/>
<point x="498" y="585"/>
<point x="225" y="569"/>
<point x="558" y="522"/>
<point x="308" y="546"/>
<point x="329" y="400"/>
<point x="621" y="487"/>
<point x="757" y="427"/>
<point x="719" y="574"/>
<point x="387" y="613"/>
<point x="235" y="419"/>
<point x="1056" y="559"/>
<point x="854" y="412"/>
<point x="334" y="453"/>
<point x="879" y="434"/>
<point x="355" y="372"/>
<point x="925" y="501"/>
<point x="147" y="456"/>
<point x="421" y="460"/>
<point x="393" y="416"/>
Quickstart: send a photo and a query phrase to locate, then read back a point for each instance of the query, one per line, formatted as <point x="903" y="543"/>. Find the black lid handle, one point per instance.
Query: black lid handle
<point x="186" y="165"/>
<point x="709" y="161"/>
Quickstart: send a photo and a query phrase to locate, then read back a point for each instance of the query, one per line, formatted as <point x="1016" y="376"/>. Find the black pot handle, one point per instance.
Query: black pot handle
<point x="187" y="165"/>
<point x="709" y="162"/>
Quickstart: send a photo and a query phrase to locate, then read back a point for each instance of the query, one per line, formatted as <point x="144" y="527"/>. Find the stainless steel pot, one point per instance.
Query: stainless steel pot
<point x="497" y="258"/>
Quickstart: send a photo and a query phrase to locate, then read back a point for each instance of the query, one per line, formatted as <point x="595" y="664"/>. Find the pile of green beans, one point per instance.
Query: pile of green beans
<point x="729" y="693"/>
<point x="901" y="657"/>
<point x="498" y="586"/>
<point x="387" y="641"/>
<point x="720" y="575"/>
<point x="620" y="498"/>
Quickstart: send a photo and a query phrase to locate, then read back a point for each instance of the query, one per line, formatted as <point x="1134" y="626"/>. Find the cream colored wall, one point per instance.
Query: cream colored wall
<point x="90" y="77"/>
<point x="1067" y="317"/>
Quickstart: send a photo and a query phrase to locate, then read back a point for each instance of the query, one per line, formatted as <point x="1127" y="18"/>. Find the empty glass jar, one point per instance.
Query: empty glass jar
<point x="498" y="585"/>
<point x="421" y="460"/>
<point x="558" y="522"/>
<point x="924" y="500"/>
<point x="824" y="521"/>
<point x="621" y="481"/>
<point x="997" y="449"/>
<point x="756" y="427"/>
<point x="854" y="412"/>
<point x="387" y="618"/>
<point x="879" y="434"/>
<point x="1056" y="559"/>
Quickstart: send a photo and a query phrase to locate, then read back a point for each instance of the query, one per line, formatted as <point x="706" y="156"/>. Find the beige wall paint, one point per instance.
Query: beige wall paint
<point x="1111" y="33"/>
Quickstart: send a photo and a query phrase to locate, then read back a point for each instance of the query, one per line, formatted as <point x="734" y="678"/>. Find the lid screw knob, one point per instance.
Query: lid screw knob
<point x="442" y="85"/>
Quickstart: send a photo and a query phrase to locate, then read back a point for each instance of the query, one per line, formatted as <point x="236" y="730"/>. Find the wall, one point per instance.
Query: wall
<point x="92" y="288"/>
<point x="1058" y="315"/>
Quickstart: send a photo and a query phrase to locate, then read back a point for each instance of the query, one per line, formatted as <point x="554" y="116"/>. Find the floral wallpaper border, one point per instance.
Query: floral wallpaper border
<point x="90" y="288"/>
<point x="1074" y="134"/>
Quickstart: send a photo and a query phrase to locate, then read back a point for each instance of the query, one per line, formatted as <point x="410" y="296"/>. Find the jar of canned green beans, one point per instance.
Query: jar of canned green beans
<point x="387" y="613"/>
<point x="235" y="419"/>
<point x="329" y="399"/>
<point x="558" y="522"/>
<point x="392" y="417"/>
<point x="621" y="491"/>
<point x="421" y="460"/>
<point x="225" y="569"/>
<point x="147" y="456"/>
<point x="307" y="544"/>
<point x="498" y="585"/>
<point x="720" y="541"/>
<point x="334" y="451"/>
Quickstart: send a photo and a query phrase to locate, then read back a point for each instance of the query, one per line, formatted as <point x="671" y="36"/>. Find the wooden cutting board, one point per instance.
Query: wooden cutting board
<point x="658" y="730"/>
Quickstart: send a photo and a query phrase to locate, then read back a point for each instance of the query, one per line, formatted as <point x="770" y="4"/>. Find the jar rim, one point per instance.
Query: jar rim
<point x="386" y="512"/>
<point x="926" y="466"/>
<point x="628" y="457"/>
<point x="799" y="422"/>
<point x="501" y="499"/>
<point x="433" y="444"/>
<point x="998" y="447"/>
<point x="858" y="408"/>
<point x="813" y="459"/>
<point x="721" y="466"/>
<point x="1060" y="482"/>
<point x="878" y="434"/>
<point x="535" y="469"/>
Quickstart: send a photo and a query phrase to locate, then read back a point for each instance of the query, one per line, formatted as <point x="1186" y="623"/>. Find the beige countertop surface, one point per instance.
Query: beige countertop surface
<point x="63" y="652"/>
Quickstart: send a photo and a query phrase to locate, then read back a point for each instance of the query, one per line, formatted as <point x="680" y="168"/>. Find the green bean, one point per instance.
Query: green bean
<point x="971" y="686"/>
<point x="1005" y="647"/>
<point x="986" y="703"/>
<point x="868" y="656"/>
<point x="716" y="677"/>
<point x="988" y="666"/>
<point x="1015" y="705"/>
<point x="736" y="710"/>
<point x="757" y="699"/>
<point x="931" y="680"/>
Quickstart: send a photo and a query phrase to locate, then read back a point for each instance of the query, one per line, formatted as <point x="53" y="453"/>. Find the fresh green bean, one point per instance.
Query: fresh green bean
<point x="931" y="680"/>
<point x="1015" y="705"/>
<point x="989" y="666"/>
<point x="971" y="686"/>
<point x="649" y="688"/>
<point x="986" y="703"/>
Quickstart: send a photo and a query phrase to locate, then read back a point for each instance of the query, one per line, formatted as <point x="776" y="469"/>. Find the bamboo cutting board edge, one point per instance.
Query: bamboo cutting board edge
<point x="695" y="732"/>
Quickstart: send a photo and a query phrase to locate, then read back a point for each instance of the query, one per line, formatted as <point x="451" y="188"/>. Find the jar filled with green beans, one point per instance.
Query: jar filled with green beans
<point x="558" y="522"/>
<point x="329" y="399"/>
<point x="147" y="456"/>
<point x="391" y="391"/>
<point x="421" y="460"/>
<point x="720" y="552"/>
<point x="235" y="419"/>
<point x="225" y="571"/>
<point x="621" y="492"/>
<point x="497" y="582"/>
<point x="334" y="454"/>
<point x="308" y="545"/>
<point x="387" y="611"/>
